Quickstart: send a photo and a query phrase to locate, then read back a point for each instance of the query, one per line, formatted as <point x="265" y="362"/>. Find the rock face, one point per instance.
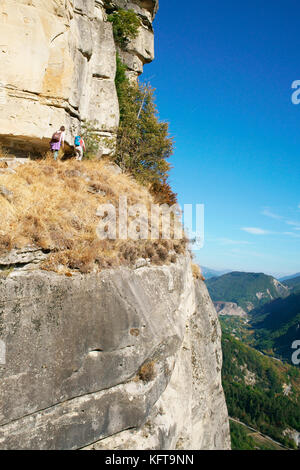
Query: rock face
<point x="90" y="356"/>
<point x="229" y="308"/>
<point x="58" y="65"/>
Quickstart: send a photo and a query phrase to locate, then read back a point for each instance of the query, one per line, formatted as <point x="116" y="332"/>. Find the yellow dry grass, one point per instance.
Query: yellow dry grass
<point x="147" y="372"/>
<point x="4" y="153"/>
<point x="197" y="274"/>
<point x="54" y="207"/>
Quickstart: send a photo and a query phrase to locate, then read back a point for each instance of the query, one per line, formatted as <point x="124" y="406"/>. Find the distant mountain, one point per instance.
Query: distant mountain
<point x="209" y="273"/>
<point x="247" y="290"/>
<point x="286" y="278"/>
<point x="293" y="284"/>
<point x="277" y="325"/>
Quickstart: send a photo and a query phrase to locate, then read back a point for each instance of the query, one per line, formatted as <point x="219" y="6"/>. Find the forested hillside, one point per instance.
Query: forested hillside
<point x="277" y="325"/>
<point x="260" y="391"/>
<point x="248" y="290"/>
<point x="293" y="284"/>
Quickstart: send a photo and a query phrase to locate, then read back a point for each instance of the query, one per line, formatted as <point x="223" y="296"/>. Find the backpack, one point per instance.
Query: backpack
<point x="77" y="141"/>
<point x="56" y="137"/>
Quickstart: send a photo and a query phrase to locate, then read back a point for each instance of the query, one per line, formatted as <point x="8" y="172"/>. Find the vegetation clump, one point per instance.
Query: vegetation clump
<point x="197" y="274"/>
<point x="143" y="142"/>
<point x="125" y="25"/>
<point x="144" y="145"/>
<point x="147" y="372"/>
<point x="120" y="78"/>
<point x="91" y="138"/>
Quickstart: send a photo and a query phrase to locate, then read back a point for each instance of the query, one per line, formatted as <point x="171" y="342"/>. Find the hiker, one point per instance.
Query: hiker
<point x="79" y="147"/>
<point x="57" y="141"/>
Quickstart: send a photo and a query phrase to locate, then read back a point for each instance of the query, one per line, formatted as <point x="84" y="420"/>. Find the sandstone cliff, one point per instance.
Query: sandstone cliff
<point x="126" y="359"/>
<point x="58" y="64"/>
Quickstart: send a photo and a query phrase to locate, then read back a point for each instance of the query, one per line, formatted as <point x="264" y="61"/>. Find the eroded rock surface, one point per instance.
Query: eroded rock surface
<point x="229" y="308"/>
<point x="74" y="352"/>
<point x="191" y="413"/>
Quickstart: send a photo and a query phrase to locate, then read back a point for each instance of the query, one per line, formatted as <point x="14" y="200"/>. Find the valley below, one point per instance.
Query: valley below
<point x="260" y="319"/>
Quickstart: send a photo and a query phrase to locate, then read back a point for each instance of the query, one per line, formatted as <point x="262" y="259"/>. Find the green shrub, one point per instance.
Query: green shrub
<point x="143" y="141"/>
<point x="92" y="140"/>
<point x="120" y="78"/>
<point x="125" y="26"/>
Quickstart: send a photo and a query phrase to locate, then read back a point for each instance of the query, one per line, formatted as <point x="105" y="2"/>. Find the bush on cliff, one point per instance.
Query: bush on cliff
<point x="143" y="141"/>
<point x="143" y="144"/>
<point x="120" y="78"/>
<point x="125" y="25"/>
<point x="91" y="139"/>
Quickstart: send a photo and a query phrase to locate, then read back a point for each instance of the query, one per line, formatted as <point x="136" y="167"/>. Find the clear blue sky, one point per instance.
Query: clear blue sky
<point x="223" y="74"/>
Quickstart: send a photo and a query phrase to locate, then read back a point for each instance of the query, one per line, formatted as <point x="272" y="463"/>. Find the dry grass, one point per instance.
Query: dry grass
<point x="197" y="274"/>
<point x="54" y="207"/>
<point x="4" y="153"/>
<point x="147" y="372"/>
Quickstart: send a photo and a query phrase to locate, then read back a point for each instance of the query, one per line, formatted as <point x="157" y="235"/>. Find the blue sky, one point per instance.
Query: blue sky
<point x="223" y="75"/>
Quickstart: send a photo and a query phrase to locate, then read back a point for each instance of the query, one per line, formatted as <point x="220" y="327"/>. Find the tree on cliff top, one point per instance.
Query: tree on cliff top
<point x="143" y="141"/>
